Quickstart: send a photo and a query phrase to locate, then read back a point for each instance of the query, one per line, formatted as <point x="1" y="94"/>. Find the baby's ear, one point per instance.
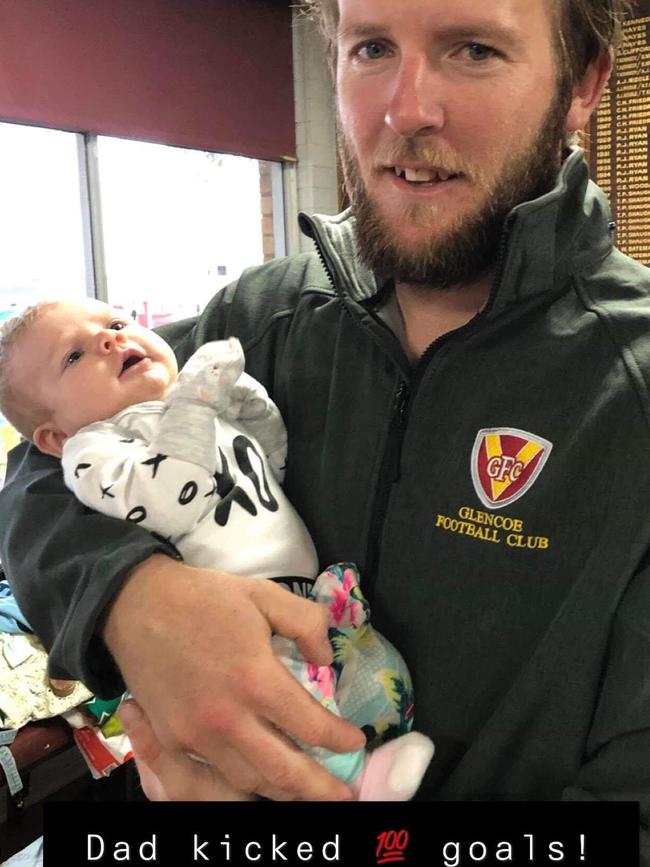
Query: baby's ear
<point x="49" y="439"/>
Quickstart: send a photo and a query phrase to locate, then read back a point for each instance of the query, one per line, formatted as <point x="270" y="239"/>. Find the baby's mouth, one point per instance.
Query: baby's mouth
<point x="132" y="358"/>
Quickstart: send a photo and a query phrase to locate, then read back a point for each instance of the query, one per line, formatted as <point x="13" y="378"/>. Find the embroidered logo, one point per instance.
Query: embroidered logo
<point x="505" y="464"/>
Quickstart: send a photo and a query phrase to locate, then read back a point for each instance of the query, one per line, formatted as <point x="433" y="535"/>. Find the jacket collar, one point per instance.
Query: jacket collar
<point x="544" y="241"/>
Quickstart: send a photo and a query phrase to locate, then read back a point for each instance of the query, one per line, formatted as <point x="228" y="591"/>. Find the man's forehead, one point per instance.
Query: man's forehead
<point x="440" y="12"/>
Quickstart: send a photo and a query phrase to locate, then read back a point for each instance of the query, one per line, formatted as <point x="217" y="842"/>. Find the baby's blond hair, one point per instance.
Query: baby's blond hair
<point x="21" y="409"/>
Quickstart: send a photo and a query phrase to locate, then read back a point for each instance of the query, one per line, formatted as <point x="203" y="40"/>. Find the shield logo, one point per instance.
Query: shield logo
<point x="505" y="464"/>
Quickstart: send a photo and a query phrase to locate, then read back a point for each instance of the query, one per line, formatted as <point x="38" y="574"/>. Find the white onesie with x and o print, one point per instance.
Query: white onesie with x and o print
<point x="195" y="470"/>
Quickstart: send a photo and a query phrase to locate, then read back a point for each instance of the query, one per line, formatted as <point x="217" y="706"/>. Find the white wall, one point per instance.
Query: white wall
<point x="314" y="178"/>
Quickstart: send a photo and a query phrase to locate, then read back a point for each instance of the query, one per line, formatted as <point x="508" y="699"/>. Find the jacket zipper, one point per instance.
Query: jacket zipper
<point x="402" y="402"/>
<point x="396" y="431"/>
<point x="311" y="231"/>
<point x="325" y="264"/>
<point x="406" y="391"/>
<point x="388" y="475"/>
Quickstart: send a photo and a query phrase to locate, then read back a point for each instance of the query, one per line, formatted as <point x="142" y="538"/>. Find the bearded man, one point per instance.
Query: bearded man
<point x="463" y="366"/>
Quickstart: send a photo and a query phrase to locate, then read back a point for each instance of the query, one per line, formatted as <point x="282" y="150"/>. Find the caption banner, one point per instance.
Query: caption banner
<point x="355" y="835"/>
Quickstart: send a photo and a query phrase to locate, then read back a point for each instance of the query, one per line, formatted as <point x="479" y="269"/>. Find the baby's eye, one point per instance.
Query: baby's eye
<point x="118" y="325"/>
<point x="73" y="358"/>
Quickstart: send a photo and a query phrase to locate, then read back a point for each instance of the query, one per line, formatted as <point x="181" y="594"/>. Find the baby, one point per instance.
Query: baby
<point x="198" y="458"/>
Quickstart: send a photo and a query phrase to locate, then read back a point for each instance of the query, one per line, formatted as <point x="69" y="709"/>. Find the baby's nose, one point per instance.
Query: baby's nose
<point x="109" y="339"/>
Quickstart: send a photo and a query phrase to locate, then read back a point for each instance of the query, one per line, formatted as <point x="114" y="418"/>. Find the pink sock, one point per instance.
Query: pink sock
<point x="394" y="771"/>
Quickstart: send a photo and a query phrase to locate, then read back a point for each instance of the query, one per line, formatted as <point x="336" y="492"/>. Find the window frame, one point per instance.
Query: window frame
<point x="96" y="281"/>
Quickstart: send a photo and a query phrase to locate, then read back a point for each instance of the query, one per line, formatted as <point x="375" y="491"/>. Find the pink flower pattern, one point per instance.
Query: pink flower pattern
<point x="322" y="676"/>
<point x="344" y="609"/>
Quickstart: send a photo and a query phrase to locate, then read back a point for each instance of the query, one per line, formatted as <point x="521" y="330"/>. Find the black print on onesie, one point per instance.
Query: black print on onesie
<point x="213" y="491"/>
<point x="242" y="447"/>
<point x="229" y="493"/>
<point x="137" y="514"/>
<point x="168" y="540"/>
<point x="297" y="586"/>
<point x="190" y="490"/>
<point x="232" y="493"/>
<point x="154" y="463"/>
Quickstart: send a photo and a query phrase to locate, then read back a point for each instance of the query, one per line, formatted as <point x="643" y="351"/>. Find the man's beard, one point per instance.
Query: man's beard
<point x="468" y="249"/>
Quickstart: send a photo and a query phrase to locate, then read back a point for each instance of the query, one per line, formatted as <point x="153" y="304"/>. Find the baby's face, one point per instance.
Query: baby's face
<point x="85" y="362"/>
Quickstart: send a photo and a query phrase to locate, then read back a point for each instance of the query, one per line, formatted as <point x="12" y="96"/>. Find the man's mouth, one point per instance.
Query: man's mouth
<point x="131" y="358"/>
<point x="424" y="175"/>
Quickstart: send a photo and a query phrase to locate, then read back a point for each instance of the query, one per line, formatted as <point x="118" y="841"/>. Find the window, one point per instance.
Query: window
<point x="41" y="221"/>
<point x="41" y="227"/>
<point x="154" y="230"/>
<point x="177" y="224"/>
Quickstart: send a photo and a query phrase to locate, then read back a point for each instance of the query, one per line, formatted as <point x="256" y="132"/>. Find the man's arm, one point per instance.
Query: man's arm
<point x="65" y="564"/>
<point x="193" y="645"/>
<point x="167" y="626"/>
<point x="617" y="763"/>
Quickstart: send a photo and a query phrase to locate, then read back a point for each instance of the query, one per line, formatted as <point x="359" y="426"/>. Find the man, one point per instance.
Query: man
<point x="467" y="409"/>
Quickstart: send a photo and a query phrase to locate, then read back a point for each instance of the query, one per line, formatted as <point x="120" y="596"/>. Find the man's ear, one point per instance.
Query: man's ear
<point x="49" y="439"/>
<point x="587" y="92"/>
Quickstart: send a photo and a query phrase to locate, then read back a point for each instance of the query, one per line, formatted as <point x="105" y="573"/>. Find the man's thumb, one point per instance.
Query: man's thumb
<point x="300" y="619"/>
<point x="145" y="746"/>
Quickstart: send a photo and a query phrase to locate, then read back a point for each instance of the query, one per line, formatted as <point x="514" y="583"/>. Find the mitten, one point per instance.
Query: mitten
<point x="210" y="375"/>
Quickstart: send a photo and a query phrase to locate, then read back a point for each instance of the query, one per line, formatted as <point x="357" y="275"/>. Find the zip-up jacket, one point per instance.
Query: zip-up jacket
<point x="496" y="497"/>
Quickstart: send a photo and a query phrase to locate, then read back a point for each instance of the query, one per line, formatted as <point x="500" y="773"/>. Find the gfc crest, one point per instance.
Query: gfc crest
<point x="505" y="464"/>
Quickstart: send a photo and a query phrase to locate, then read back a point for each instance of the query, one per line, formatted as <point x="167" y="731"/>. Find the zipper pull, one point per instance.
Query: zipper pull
<point x="400" y="407"/>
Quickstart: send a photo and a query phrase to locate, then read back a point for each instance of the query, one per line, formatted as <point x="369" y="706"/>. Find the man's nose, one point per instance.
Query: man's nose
<point x="108" y="340"/>
<point x="415" y="107"/>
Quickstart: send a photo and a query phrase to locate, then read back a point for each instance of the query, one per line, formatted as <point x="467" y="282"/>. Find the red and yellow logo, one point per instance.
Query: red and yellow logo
<point x="505" y="464"/>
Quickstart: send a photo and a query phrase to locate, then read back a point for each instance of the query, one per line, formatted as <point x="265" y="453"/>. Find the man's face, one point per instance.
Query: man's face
<point x="85" y="362"/>
<point x="450" y="114"/>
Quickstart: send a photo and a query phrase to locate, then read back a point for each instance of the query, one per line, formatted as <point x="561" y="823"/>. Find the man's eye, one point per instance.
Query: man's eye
<point x="477" y="51"/>
<point x="73" y="358"/>
<point x="118" y="325"/>
<point x="372" y="51"/>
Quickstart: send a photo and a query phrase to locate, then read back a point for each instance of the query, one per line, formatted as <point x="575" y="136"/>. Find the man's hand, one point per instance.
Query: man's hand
<point x="171" y="776"/>
<point x="194" y="647"/>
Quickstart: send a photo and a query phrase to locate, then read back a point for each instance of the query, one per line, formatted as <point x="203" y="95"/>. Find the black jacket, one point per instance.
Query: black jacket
<point x="526" y="625"/>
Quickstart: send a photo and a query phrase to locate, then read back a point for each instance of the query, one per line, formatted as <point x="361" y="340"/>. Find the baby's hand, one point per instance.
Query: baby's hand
<point x="210" y="374"/>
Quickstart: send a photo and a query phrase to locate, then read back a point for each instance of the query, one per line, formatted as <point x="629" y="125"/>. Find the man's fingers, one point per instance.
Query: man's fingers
<point x="206" y="784"/>
<point x="291" y="708"/>
<point x="299" y="619"/>
<point x="147" y="750"/>
<point x="283" y="771"/>
<point x="237" y="771"/>
<point x="139" y="731"/>
<point x="171" y="775"/>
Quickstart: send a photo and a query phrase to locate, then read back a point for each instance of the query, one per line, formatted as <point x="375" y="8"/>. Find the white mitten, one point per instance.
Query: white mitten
<point x="251" y="404"/>
<point x="210" y="374"/>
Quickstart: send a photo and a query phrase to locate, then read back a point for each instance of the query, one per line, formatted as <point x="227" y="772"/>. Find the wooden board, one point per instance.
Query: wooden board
<point x="619" y="138"/>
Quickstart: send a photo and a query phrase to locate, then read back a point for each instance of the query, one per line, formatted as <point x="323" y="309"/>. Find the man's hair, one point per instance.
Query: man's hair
<point x="22" y="410"/>
<point x="587" y="29"/>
